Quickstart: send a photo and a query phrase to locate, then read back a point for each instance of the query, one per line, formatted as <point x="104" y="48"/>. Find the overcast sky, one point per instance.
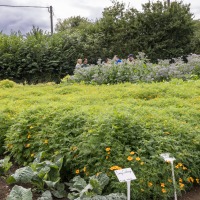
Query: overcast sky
<point x="24" y="18"/>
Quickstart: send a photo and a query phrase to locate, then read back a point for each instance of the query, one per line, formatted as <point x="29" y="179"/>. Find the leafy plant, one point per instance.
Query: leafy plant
<point x="46" y="196"/>
<point x="5" y="165"/>
<point x="41" y="174"/>
<point x="81" y="190"/>
<point x="20" y="193"/>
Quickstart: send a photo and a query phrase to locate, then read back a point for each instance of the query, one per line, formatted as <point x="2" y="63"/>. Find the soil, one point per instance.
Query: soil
<point x="194" y="194"/>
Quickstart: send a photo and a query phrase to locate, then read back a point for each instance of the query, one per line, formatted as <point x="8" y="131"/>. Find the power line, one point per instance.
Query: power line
<point x="50" y="10"/>
<point x="24" y="6"/>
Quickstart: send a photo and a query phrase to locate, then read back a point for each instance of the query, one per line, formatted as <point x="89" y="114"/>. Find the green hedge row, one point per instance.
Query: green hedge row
<point x="36" y="57"/>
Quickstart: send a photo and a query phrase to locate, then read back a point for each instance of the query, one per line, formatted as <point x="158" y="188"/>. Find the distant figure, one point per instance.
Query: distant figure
<point x="117" y="60"/>
<point x="85" y="63"/>
<point x="79" y="63"/>
<point x="107" y="62"/>
<point x="130" y="59"/>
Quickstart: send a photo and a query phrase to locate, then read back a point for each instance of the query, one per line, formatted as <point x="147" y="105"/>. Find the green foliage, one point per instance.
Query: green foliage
<point x="5" y="123"/>
<point x="33" y="59"/>
<point x="164" y="31"/>
<point x="196" y="38"/>
<point x="22" y="175"/>
<point x="5" y="165"/>
<point x="96" y="128"/>
<point x="41" y="174"/>
<point x="7" y="84"/>
<point x="72" y="24"/>
<point x="139" y="71"/>
<point x="160" y="31"/>
<point x="46" y="196"/>
<point x="20" y="193"/>
<point x="115" y="196"/>
<point x="81" y="190"/>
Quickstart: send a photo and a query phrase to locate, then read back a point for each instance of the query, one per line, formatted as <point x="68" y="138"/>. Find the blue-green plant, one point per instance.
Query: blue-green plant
<point x="81" y="190"/>
<point x="41" y="174"/>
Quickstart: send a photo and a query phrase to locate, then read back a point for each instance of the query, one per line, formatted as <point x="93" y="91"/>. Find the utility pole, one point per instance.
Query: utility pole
<point x="51" y="18"/>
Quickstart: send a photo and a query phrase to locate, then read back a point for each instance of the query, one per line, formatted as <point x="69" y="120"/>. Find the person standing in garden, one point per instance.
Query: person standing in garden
<point x="107" y="62"/>
<point x="85" y="63"/>
<point x="117" y="60"/>
<point x="79" y="63"/>
<point x="130" y="59"/>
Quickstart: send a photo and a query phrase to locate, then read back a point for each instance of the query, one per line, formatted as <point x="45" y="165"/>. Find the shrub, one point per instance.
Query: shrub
<point x="7" y="84"/>
<point x="140" y="71"/>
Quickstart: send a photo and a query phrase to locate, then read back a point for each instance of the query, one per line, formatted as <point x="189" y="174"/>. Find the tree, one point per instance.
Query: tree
<point x="72" y="23"/>
<point x="196" y="38"/>
<point x="165" y="31"/>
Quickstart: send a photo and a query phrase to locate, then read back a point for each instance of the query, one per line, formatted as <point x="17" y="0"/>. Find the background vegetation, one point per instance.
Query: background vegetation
<point x="161" y="32"/>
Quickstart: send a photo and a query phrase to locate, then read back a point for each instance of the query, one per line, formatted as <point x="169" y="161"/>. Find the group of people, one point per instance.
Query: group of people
<point x="82" y="63"/>
<point x="108" y="62"/>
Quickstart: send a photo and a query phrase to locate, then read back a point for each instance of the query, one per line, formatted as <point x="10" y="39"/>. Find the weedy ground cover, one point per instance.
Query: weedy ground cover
<point x="103" y="128"/>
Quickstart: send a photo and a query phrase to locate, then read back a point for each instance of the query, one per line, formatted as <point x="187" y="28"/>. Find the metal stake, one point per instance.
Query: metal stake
<point x="128" y="190"/>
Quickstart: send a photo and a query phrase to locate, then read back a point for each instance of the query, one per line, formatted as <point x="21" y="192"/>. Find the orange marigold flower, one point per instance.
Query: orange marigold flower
<point x="197" y="180"/>
<point x="150" y="184"/>
<point x="9" y="146"/>
<point x="132" y="152"/>
<point x="84" y="169"/>
<point x="74" y="148"/>
<point x="184" y="168"/>
<point x="32" y="155"/>
<point x="97" y="174"/>
<point x="108" y="149"/>
<point x="138" y="159"/>
<point x="28" y="145"/>
<point x="115" y="168"/>
<point x="107" y="157"/>
<point x="142" y="163"/>
<point x="108" y="152"/>
<point x="177" y="166"/>
<point x="180" y="180"/>
<point x="46" y="141"/>
<point x="170" y="180"/>
<point x="164" y="190"/>
<point x="77" y="171"/>
<point x="180" y="164"/>
<point x="129" y="158"/>
<point x="181" y="185"/>
<point x="29" y="136"/>
<point x="162" y="185"/>
<point x="31" y="127"/>
<point x="190" y="179"/>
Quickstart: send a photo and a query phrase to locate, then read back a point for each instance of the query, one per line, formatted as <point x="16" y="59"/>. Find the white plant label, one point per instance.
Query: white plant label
<point x="166" y="157"/>
<point x="125" y="175"/>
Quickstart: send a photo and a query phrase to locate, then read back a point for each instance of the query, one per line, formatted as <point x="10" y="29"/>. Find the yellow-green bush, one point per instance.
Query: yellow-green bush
<point x="98" y="127"/>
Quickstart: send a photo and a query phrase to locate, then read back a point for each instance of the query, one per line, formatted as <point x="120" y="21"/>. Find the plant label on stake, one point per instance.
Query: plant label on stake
<point x="166" y="157"/>
<point x="126" y="175"/>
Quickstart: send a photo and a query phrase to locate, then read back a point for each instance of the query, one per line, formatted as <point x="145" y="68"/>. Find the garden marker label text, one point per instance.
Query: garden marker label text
<point x="125" y="175"/>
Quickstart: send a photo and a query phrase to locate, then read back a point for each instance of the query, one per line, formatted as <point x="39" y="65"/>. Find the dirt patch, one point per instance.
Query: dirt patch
<point x="4" y="189"/>
<point x="194" y="194"/>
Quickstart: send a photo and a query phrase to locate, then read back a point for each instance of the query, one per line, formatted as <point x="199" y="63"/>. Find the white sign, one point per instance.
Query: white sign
<point x="166" y="157"/>
<point x="125" y="175"/>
